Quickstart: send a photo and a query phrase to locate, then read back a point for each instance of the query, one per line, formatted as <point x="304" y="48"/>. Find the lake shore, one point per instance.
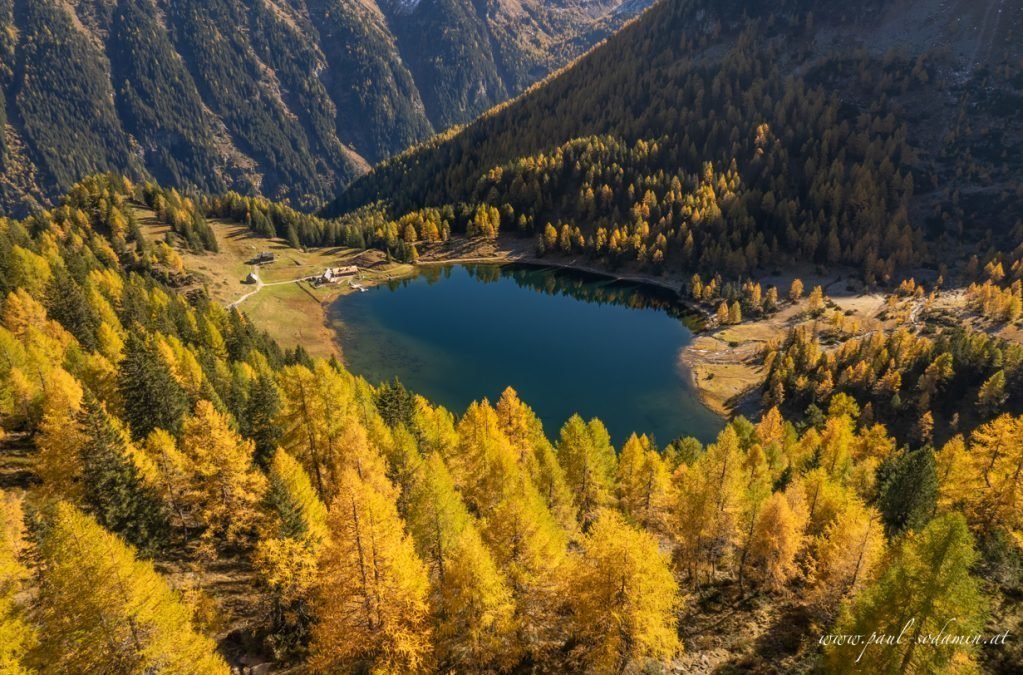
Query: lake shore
<point x="522" y="251"/>
<point x="722" y="363"/>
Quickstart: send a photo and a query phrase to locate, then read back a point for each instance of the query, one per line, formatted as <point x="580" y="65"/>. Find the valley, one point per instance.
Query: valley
<point x="291" y="99"/>
<point x="419" y="336"/>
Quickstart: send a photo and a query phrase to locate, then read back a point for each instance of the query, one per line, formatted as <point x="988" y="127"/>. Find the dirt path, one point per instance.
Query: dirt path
<point x="260" y="285"/>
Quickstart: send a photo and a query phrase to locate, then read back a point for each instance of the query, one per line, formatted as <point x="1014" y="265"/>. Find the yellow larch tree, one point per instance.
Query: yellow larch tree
<point x="371" y="602"/>
<point x="644" y="489"/>
<point x="230" y="487"/>
<point x="102" y="610"/>
<point x="756" y="490"/>
<point x="173" y="476"/>
<point x="17" y="635"/>
<point x="586" y="455"/>
<point x="60" y="437"/>
<point x="773" y="436"/>
<point x="987" y="480"/>
<point x="826" y="499"/>
<point x="777" y="539"/>
<point x="315" y="413"/>
<point x="531" y="550"/>
<point x="434" y="428"/>
<point x="627" y="601"/>
<point x="845" y="557"/>
<point x="710" y="503"/>
<point x="525" y="431"/>
<point x="472" y="603"/>
<point x="484" y="459"/>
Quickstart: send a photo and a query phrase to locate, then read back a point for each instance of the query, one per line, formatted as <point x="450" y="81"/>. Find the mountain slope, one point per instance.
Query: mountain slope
<point x="732" y="135"/>
<point x="288" y="98"/>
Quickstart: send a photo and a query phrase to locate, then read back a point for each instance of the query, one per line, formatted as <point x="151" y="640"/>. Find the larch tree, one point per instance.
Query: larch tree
<point x="174" y="477"/>
<point x="586" y="455"/>
<point x="644" y="489"/>
<point x="795" y="290"/>
<point x="955" y="475"/>
<point x="471" y="601"/>
<point x="60" y="439"/>
<point x="530" y="548"/>
<point x="777" y="539"/>
<point x="314" y="418"/>
<point x="826" y="499"/>
<point x="756" y="491"/>
<point x="286" y="555"/>
<point x="525" y="431"/>
<point x="371" y="603"/>
<point x="987" y="480"/>
<point x="846" y="555"/>
<point x="102" y="610"/>
<point x="230" y="487"/>
<point x="17" y="634"/>
<point x="484" y="459"/>
<point x="991" y="396"/>
<point x="710" y="503"/>
<point x="927" y="589"/>
<point x="626" y="599"/>
<point x="774" y="439"/>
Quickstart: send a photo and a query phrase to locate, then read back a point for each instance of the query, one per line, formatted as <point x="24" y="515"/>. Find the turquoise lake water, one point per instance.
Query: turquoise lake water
<point x="566" y="342"/>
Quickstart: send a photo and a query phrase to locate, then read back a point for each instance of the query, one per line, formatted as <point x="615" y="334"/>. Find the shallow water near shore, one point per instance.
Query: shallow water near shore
<point x="567" y="342"/>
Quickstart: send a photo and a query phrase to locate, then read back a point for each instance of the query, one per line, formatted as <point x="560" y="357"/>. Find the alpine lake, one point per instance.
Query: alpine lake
<point x="568" y="342"/>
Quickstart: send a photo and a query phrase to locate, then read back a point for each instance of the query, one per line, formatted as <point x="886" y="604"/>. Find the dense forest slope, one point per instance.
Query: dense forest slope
<point x="288" y="98"/>
<point x="180" y="494"/>
<point x="728" y="136"/>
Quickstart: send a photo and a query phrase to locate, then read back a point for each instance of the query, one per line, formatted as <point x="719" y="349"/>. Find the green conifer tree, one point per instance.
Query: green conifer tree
<point x="113" y="489"/>
<point x="152" y="397"/>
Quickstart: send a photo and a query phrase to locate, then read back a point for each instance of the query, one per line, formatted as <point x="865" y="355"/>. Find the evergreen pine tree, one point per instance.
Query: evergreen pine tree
<point x="396" y="404"/>
<point x="152" y="397"/>
<point x="259" y="421"/>
<point x="908" y="490"/>
<point x="113" y="489"/>
<point x="67" y="304"/>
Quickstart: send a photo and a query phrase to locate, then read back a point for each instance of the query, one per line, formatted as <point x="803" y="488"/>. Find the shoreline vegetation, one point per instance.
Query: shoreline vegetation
<point x="722" y="362"/>
<point x="283" y="306"/>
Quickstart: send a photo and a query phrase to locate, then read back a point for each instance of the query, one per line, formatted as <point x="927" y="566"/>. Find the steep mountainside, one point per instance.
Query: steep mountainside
<point x="734" y="135"/>
<point x="289" y="98"/>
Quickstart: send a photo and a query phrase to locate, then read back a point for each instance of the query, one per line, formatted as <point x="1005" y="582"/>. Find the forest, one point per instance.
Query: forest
<point x="180" y="493"/>
<point x="727" y="138"/>
<point x="164" y="441"/>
